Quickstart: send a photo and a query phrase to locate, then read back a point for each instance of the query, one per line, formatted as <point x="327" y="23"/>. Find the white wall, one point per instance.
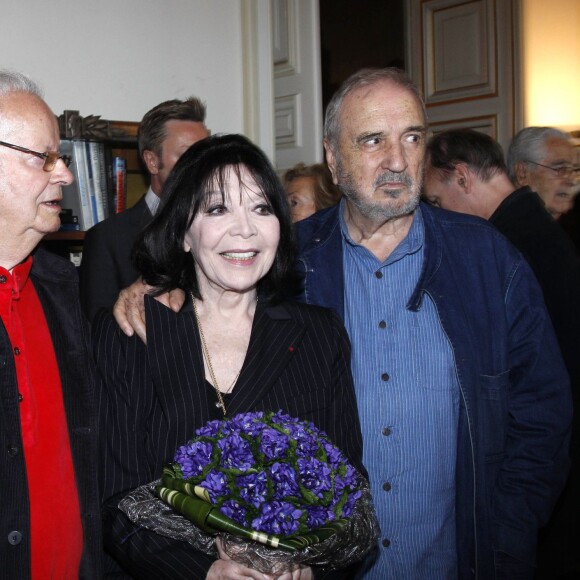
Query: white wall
<point x="119" y="58"/>
<point x="551" y="57"/>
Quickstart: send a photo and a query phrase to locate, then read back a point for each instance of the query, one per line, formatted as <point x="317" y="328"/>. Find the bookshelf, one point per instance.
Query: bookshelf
<point x="120" y="139"/>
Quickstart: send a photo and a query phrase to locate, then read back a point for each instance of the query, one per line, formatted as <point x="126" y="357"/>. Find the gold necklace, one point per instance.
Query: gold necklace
<point x="220" y="402"/>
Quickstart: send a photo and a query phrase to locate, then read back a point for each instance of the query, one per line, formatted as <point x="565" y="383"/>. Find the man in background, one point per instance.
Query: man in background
<point x="466" y="172"/>
<point x="165" y="132"/>
<point x="544" y="159"/>
<point x="49" y="512"/>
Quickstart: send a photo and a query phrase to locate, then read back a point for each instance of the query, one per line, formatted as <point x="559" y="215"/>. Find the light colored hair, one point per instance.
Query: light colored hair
<point x="364" y="78"/>
<point x="15" y="82"/>
<point x="530" y="145"/>
<point x="326" y="194"/>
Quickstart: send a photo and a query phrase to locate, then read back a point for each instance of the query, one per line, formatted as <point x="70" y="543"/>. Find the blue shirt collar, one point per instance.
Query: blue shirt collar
<point x="412" y="242"/>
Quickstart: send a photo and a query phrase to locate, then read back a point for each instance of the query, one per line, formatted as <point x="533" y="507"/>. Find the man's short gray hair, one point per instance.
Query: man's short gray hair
<point x="15" y="82"/>
<point x="529" y="145"/>
<point x="364" y="78"/>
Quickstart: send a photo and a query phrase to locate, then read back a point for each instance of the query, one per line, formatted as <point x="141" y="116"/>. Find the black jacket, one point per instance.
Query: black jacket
<point x="56" y="283"/>
<point x="106" y="267"/>
<point x="153" y="398"/>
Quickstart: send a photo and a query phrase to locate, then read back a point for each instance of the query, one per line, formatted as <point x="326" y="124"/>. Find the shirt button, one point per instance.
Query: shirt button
<point x="385" y="376"/>
<point x="14" y="538"/>
<point x="382" y="324"/>
<point x="12" y="451"/>
<point x="379" y="274"/>
<point x="386" y="486"/>
<point x="387" y="431"/>
<point x="20" y="397"/>
<point x="2" y="279"/>
<point x="16" y="351"/>
<point x="386" y="542"/>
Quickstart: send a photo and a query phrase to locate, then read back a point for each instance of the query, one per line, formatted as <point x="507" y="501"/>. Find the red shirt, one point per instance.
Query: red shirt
<point x="55" y="523"/>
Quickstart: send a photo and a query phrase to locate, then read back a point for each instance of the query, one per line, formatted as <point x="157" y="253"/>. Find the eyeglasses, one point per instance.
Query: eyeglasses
<point x="563" y="171"/>
<point x="50" y="157"/>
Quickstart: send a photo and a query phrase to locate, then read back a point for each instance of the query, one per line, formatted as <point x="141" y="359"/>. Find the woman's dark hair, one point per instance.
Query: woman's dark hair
<point x="159" y="251"/>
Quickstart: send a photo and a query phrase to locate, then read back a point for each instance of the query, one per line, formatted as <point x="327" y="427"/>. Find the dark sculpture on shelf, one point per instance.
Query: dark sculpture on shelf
<point x="74" y="126"/>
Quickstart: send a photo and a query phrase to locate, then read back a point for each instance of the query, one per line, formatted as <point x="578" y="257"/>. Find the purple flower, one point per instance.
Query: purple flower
<point x="248" y="423"/>
<point x="193" y="457"/>
<point x="348" y="480"/>
<point x="253" y="488"/>
<point x="284" y="481"/>
<point x="278" y="517"/>
<point x="233" y="510"/>
<point x="314" y="475"/>
<point x="306" y="443"/>
<point x="216" y="484"/>
<point x="335" y="456"/>
<point x="210" y="429"/>
<point x="236" y="452"/>
<point x="296" y="481"/>
<point x="273" y="443"/>
<point x="283" y="419"/>
<point x="318" y="515"/>
<point x="349" y="504"/>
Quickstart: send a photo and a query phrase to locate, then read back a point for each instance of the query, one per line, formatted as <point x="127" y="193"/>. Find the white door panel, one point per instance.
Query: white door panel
<point x="461" y="56"/>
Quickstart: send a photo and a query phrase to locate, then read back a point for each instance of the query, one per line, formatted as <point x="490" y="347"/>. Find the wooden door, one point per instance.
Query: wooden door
<point x="462" y="56"/>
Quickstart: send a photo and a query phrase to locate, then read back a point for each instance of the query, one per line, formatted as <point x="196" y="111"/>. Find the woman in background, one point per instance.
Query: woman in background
<point x="310" y="188"/>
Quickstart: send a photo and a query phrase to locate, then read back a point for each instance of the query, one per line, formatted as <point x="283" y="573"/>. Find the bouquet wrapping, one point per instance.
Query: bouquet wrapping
<point x="275" y="489"/>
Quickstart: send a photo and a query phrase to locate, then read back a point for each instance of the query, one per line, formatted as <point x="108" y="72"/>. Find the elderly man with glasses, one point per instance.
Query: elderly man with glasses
<point x="544" y="159"/>
<point x="49" y="514"/>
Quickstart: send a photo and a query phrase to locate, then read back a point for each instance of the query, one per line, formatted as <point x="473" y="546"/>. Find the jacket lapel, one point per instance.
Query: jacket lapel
<point x="275" y="336"/>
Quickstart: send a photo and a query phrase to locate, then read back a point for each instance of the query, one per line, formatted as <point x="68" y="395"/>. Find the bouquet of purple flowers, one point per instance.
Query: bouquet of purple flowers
<point x="276" y="490"/>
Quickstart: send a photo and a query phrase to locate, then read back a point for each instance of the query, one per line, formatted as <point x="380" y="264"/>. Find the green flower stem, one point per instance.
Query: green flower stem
<point x="192" y="502"/>
<point x="211" y="520"/>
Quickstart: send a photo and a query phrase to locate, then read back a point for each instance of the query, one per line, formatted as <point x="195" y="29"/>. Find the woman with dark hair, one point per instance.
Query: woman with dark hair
<point x="223" y="236"/>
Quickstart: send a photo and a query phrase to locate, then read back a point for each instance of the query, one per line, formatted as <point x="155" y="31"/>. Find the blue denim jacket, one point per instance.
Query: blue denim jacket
<point x="515" y="403"/>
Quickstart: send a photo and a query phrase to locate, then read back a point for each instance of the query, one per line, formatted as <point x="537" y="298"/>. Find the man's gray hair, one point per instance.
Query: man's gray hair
<point x="364" y="78"/>
<point x="15" y="82"/>
<point x="530" y="145"/>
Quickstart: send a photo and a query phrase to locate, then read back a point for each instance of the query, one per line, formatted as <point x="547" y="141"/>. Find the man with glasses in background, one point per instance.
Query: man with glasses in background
<point x="544" y="159"/>
<point x="49" y="513"/>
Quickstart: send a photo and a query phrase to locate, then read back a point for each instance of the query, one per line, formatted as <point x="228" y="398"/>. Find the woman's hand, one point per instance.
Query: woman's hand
<point x="226" y="569"/>
<point x="129" y="310"/>
<point x="301" y="573"/>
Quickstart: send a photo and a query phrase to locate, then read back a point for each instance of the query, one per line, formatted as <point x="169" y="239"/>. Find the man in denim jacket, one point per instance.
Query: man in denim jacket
<point x="463" y="396"/>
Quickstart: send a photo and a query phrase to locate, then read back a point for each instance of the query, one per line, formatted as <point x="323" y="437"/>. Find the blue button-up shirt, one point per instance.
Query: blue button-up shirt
<point x="408" y="399"/>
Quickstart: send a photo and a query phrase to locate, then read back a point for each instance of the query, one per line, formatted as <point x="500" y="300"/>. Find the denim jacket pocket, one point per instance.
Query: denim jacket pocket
<point x="493" y="413"/>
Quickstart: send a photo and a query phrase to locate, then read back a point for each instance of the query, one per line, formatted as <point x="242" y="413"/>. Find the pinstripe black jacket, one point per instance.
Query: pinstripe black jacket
<point x="152" y="398"/>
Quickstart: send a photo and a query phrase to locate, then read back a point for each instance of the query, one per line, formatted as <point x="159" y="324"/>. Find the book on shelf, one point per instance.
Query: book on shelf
<point x="75" y="196"/>
<point x="103" y="178"/>
<point x="120" y="184"/>
<point x="100" y="185"/>
<point x="99" y="193"/>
